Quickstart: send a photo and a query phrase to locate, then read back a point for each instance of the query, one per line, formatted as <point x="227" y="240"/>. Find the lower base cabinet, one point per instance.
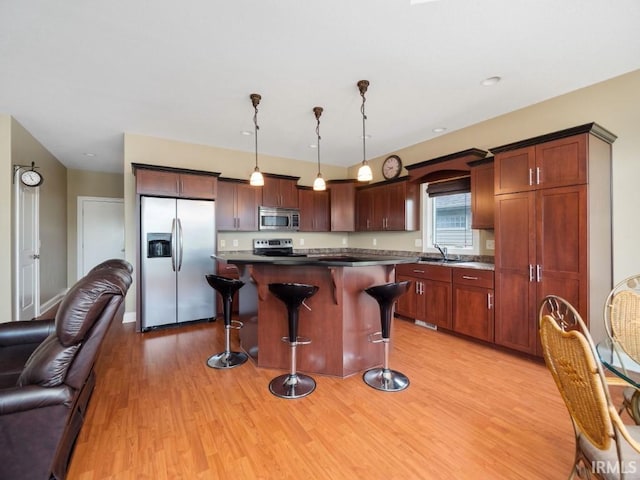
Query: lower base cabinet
<point x="453" y="298"/>
<point x="429" y="298"/>
<point x="473" y="303"/>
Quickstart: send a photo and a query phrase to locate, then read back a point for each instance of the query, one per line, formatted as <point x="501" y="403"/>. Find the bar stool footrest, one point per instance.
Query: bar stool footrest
<point x="377" y="338"/>
<point x="299" y="341"/>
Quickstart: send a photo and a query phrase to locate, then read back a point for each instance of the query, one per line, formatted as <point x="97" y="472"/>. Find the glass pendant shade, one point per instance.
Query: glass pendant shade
<point x="319" y="184"/>
<point x="256" y="180"/>
<point x="364" y="173"/>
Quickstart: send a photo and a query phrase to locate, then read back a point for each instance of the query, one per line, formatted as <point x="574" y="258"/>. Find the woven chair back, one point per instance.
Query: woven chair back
<point x="570" y="360"/>
<point x="624" y="311"/>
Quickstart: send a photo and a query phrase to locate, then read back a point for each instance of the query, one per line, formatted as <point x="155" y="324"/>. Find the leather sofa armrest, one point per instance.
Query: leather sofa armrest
<point x="19" y="399"/>
<point x="25" y="332"/>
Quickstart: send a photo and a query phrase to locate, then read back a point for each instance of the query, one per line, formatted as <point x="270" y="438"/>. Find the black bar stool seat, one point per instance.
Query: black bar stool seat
<point x="292" y="384"/>
<point x="226" y="287"/>
<point x="384" y="378"/>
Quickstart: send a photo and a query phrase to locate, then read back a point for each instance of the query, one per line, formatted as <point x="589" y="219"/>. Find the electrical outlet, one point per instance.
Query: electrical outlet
<point x="375" y="242"/>
<point x="235" y="242"/>
<point x="491" y="244"/>
<point x="223" y="243"/>
<point x="301" y="241"/>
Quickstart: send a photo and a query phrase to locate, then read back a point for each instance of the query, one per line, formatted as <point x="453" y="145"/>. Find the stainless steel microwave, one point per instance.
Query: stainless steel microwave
<point x="274" y="218"/>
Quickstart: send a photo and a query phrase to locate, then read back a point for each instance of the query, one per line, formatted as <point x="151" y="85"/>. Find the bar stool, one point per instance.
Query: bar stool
<point x="292" y="384"/>
<point x="226" y="287"/>
<point x="384" y="378"/>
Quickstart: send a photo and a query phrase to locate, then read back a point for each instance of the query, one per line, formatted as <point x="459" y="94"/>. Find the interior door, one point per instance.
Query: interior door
<point x="26" y="304"/>
<point x="100" y="231"/>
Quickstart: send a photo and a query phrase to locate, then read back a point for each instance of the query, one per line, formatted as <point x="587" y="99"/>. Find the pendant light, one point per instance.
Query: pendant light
<point x="364" y="172"/>
<point x="257" y="180"/>
<point x="319" y="184"/>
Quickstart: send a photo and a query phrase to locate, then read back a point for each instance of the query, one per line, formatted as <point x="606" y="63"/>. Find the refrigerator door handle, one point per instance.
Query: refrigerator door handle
<point x="179" y="245"/>
<point x="173" y="244"/>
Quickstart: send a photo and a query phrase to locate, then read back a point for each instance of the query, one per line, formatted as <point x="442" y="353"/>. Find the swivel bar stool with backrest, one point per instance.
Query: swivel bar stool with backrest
<point x="384" y="378"/>
<point x="292" y="384"/>
<point x="226" y="287"/>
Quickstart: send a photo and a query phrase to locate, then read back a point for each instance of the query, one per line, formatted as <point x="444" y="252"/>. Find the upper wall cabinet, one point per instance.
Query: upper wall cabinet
<point x="314" y="210"/>
<point x="390" y="206"/>
<point x="342" y="194"/>
<point x="237" y="205"/>
<point x="280" y="191"/>
<point x="482" y="201"/>
<point x="175" y="182"/>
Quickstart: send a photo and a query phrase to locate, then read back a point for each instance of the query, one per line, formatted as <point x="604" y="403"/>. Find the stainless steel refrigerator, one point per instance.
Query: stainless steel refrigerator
<point x="178" y="238"/>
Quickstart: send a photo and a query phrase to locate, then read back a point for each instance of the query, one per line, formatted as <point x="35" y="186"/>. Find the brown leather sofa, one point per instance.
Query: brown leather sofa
<point x="47" y="376"/>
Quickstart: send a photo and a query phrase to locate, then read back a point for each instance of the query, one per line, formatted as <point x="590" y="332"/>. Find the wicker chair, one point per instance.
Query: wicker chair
<point x="622" y="322"/>
<point x="606" y="448"/>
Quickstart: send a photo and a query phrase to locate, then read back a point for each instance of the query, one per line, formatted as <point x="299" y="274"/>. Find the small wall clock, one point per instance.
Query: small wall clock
<point x="391" y="167"/>
<point x="31" y="178"/>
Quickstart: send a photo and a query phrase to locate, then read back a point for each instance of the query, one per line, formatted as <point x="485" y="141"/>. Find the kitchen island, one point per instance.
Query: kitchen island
<point x="340" y="318"/>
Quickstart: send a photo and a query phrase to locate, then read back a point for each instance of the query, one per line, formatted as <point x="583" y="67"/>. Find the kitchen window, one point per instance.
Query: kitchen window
<point x="447" y="219"/>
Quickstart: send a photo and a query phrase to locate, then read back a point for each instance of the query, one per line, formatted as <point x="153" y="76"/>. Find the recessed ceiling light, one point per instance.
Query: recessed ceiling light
<point x="439" y="129"/>
<point x="417" y="2"/>
<point x="89" y="154"/>
<point x="487" y="82"/>
<point x="246" y="133"/>
<point x="367" y="136"/>
<point x="313" y="145"/>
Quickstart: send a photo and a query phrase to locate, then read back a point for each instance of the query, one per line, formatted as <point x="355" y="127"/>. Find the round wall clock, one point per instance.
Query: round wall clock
<point x="31" y="178"/>
<point x="391" y="167"/>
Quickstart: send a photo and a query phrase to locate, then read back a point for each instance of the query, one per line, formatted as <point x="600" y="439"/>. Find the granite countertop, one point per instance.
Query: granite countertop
<point x="347" y="259"/>
<point x="339" y="260"/>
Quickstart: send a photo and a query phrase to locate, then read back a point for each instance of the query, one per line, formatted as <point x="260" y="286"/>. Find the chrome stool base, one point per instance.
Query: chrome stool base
<point x="292" y="386"/>
<point x="385" y="379"/>
<point x="227" y="359"/>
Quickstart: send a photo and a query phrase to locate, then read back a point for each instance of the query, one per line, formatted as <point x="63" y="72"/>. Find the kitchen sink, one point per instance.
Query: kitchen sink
<point x="442" y="260"/>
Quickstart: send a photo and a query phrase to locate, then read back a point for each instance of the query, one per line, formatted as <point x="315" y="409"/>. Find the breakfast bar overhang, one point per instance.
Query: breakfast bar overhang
<point x="338" y="321"/>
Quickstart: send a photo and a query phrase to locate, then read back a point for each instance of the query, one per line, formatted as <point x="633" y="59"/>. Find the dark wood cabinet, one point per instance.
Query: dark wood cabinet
<point x="342" y="204"/>
<point x="391" y="206"/>
<point x="482" y="195"/>
<point x="178" y="183"/>
<point x="553" y="234"/>
<point x="314" y="210"/>
<point x="429" y="298"/>
<point x="551" y="164"/>
<point x="237" y="206"/>
<point x="473" y="303"/>
<point x="280" y="191"/>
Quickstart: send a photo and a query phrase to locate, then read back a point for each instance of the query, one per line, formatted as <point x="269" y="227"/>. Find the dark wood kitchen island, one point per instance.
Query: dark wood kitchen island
<point x="341" y="315"/>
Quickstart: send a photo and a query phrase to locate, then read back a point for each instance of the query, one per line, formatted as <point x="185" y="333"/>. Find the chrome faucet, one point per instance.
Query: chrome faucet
<point x="442" y="250"/>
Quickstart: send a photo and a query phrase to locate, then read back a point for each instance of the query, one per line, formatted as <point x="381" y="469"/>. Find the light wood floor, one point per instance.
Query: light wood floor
<point x="471" y="412"/>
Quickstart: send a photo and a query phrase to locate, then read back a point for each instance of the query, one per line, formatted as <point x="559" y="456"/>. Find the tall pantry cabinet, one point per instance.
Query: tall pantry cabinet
<point x="552" y="230"/>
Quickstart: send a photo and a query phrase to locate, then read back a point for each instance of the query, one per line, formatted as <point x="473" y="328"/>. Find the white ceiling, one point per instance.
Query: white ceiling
<point x="77" y="74"/>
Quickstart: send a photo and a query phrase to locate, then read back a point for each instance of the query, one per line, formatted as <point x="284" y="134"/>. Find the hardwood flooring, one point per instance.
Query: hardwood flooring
<point x="470" y="412"/>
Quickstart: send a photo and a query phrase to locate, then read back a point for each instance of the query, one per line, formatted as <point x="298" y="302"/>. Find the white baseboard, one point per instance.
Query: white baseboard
<point x="129" y="317"/>
<point x="52" y="302"/>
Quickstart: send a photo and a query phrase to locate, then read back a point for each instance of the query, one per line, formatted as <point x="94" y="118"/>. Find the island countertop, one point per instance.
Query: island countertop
<point x="337" y="260"/>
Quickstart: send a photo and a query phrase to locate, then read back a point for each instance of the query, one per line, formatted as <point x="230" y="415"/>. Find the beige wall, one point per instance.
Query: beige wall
<point x="53" y="213"/>
<point x="612" y="104"/>
<point x="5" y="218"/>
<point x="83" y="183"/>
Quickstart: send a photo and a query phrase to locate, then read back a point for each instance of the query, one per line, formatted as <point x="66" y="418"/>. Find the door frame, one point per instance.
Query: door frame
<point x="17" y="229"/>
<point x="80" y="227"/>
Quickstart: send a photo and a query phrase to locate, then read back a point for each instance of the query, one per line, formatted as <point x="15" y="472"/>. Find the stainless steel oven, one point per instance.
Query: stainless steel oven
<point x="282" y="219"/>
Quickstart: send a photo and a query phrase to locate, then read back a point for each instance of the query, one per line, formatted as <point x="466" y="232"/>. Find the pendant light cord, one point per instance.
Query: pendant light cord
<point x="256" y="128"/>
<point x="318" y="135"/>
<point x="362" y="86"/>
